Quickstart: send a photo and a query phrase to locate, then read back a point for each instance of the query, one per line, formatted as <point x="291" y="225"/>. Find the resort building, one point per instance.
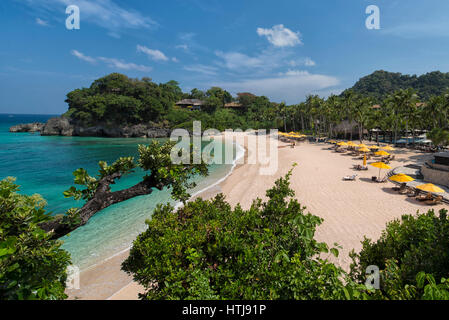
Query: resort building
<point x="233" y="105"/>
<point x="192" y="104"/>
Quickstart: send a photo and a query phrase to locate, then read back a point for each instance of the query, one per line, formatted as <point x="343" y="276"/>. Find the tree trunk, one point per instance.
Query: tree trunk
<point x="406" y="133"/>
<point x="102" y="199"/>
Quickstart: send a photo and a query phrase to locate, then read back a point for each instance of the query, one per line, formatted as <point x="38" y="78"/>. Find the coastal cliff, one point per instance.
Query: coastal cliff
<point x="62" y="126"/>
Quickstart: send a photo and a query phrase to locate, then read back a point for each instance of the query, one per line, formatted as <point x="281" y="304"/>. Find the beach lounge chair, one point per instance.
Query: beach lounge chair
<point x="426" y="197"/>
<point x="412" y="193"/>
<point x="400" y="188"/>
<point x="404" y="190"/>
<point x="350" y="178"/>
<point x="434" y="201"/>
<point x="376" y="179"/>
<point x="359" y="167"/>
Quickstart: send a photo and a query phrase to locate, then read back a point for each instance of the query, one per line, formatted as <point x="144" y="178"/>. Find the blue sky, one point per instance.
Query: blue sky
<point x="281" y="49"/>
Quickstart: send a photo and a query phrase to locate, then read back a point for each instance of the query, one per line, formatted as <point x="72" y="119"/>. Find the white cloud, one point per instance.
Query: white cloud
<point x="199" y="68"/>
<point x="112" y="62"/>
<point x="120" y="64"/>
<point x="183" y="47"/>
<point x="279" y="36"/>
<point x="293" y="73"/>
<point x="186" y="36"/>
<point x="237" y="60"/>
<point x="83" y="57"/>
<point x="264" y="62"/>
<point x="291" y="88"/>
<point x="104" y="13"/>
<point x="41" y="22"/>
<point x="174" y="59"/>
<point x="153" y="54"/>
<point x="308" y="62"/>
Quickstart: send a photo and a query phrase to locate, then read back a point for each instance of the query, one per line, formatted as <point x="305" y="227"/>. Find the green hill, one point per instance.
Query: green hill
<point x="381" y="83"/>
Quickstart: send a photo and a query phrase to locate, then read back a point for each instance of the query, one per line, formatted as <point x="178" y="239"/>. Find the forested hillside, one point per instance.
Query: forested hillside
<point x="116" y="100"/>
<point x="382" y="83"/>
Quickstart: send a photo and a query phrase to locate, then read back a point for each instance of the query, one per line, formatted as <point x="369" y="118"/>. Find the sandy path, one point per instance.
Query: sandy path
<point x="351" y="210"/>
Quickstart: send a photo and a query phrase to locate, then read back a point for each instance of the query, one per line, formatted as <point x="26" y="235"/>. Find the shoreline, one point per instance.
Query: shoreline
<point x="117" y="258"/>
<point x="351" y="210"/>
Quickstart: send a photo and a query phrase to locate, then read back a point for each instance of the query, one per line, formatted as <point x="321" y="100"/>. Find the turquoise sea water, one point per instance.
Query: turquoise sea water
<point x="44" y="165"/>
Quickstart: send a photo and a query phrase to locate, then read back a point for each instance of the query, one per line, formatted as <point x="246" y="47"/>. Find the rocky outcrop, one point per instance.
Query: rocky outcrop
<point x="158" y="133"/>
<point x="58" y="127"/>
<point x="62" y="126"/>
<point x="27" y="127"/>
<point x="137" y="131"/>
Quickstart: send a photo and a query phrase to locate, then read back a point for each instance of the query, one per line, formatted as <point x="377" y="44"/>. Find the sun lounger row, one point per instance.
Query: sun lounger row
<point x="428" y="198"/>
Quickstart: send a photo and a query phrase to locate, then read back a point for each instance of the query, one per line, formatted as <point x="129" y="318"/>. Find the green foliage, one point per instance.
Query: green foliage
<point x="155" y="160"/>
<point x="122" y="166"/>
<point x="118" y="100"/>
<point x="406" y="248"/>
<point x="207" y="250"/>
<point x="382" y="83"/>
<point x="32" y="266"/>
<point x="439" y="137"/>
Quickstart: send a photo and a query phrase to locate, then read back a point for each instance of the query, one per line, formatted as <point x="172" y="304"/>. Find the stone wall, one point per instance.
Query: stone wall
<point x="435" y="175"/>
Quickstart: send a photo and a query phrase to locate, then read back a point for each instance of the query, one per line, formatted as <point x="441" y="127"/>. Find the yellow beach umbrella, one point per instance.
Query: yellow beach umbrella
<point x="364" y="149"/>
<point x="352" y="144"/>
<point x="429" y="187"/>
<point x="401" y="178"/>
<point x="374" y="147"/>
<point x="388" y="148"/>
<point x="342" y="144"/>
<point x="362" y="145"/>
<point x="381" y="166"/>
<point x="382" y="153"/>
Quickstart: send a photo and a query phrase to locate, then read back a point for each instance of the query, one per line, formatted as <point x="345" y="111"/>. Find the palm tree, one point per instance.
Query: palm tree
<point x="283" y="112"/>
<point x="361" y="114"/>
<point x="439" y="137"/>
<point x="349" y="105"/>
<point x="313" y="104"/>
<point x="401" y="102"/>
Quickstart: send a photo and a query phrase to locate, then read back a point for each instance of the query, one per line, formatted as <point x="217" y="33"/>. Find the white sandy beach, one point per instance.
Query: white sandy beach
<point x="350" y="209"/>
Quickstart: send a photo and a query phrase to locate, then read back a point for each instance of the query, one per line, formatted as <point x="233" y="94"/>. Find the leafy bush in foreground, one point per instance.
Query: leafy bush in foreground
<point x="206" y="250"/>
<point x="32" y="266"/>
<point x="411" y="252"/>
